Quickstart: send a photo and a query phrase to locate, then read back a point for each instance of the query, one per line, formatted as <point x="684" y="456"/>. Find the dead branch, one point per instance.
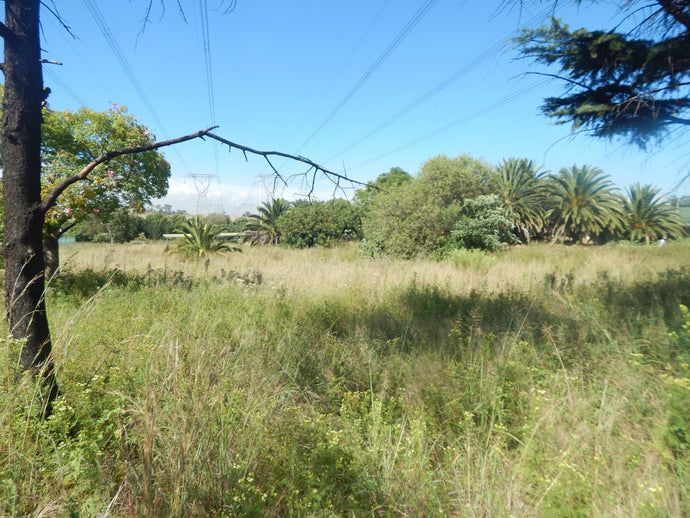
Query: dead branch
<point x="51" y="198"/>
<point x="5" y="32"/>
<point x="54" y="11"/>
<point x="314" y="168"/>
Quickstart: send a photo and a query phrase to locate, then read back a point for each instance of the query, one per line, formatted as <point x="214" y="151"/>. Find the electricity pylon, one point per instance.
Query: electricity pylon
<point x="202" y="182"/>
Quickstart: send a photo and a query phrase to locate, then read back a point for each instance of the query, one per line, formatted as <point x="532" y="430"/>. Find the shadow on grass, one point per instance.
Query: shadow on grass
<point x="429" y="317"/>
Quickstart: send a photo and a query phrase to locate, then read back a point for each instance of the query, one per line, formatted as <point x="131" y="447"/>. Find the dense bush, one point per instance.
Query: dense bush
<point x="319" y="223"/>
<point x="483" y="224"/>
<point x="383" y="183"/>
<point x="417" y="217"/>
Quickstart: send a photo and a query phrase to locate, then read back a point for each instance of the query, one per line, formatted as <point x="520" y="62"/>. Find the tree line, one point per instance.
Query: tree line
<point x="464" y="202"/>
<point x="452" y="203"/>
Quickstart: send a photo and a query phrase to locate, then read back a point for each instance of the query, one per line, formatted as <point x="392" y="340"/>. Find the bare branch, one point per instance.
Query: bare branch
<point x="5" y="32"/>
<point x="266" y="154"/>
<point x="52" y="197"/>
<point x="54" y="11"/>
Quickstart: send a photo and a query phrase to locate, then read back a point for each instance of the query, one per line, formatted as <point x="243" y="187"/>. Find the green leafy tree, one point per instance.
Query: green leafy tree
<point x="119" y="226"/>
<point x="584" y="203"/>
<point x="70" y="141"/>
<point x="24" y="205"/>
<point x="454" y="179"/>
<point x="385" y="181"/>
<point x="522" y="190"/>
<point x="156" y="224"/>
<point x="632" y="84"/>
<point x="320" y="224"/>
<point x="202" y="238"/>
<point x="647" y="216"/>
<point x="417" y="217"/>
<point x="484" y="224"/>
<point x="262" y="227"/>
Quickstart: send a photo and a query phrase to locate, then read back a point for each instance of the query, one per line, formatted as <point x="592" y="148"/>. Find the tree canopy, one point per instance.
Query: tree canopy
<point x="263" y="226"/>
<point x="648" y="216"/>
<point x="584" y="203"/>
<point x="417" y="216"/>
<point x="71" y="140"/>
<point x="631" y="83"/>
<point x="484" y="224"/>
<point x="522" y="191"/>
<point x="385" y="181"/>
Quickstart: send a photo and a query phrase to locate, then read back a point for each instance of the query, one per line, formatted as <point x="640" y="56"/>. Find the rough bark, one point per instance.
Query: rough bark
<point x="51" y="254"/>
<point x="23" y="215"/>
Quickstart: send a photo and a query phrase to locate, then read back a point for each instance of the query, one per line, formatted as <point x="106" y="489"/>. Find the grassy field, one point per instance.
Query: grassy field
<point x="544" y="381"/>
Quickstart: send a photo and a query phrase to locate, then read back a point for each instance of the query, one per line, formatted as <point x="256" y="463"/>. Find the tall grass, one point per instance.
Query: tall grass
<point x="547" y="381"/>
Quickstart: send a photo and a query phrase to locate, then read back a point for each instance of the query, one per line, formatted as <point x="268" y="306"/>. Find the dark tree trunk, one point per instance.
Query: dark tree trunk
<point x="51" y="253"/>
<point x="23" y="215"/>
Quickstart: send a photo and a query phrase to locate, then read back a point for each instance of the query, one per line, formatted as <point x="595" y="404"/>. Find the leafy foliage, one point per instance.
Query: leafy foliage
<point x="319" y="224"/>
<point x="263" y="227"/>
<point x="647" y="216"/>
<point x="385" y="181"/>
<point x="417" y="217"/>
<point x="584" y="203"/>
<point x="484" y="224"/>
<point x="202" y="238"/>
<point x="70" y="140"/>
<point x="523" y="192"/>
<point x="630" y="84"/>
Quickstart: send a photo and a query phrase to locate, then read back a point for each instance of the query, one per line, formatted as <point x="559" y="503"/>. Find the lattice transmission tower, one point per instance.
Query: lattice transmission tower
<point x="267" y="190"/>
<point x="202" y="182"/>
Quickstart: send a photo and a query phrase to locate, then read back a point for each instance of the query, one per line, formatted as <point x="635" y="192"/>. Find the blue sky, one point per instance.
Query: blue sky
<point x="358" y="86"/>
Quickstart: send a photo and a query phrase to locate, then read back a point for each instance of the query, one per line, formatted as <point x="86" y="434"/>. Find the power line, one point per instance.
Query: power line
<point x="206" y="46"/>
<point x="416" y="18"/>
<point x="208" y="65"/>
<point x="439" y="86"/>
<point x="473" y="115"/>
<point x="349" y="57"/>
<point x="124" y="63"/>
<point x="120" y="56"/>
<point x="54" y="77"/>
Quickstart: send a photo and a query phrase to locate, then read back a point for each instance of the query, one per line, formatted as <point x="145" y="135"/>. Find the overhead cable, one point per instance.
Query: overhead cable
<point x="439" y="86"/>
<point x="416" y="18"/>
<point x="124" y="63"/>
<point x="68" y="90"/>
<point x="473" y="115"/>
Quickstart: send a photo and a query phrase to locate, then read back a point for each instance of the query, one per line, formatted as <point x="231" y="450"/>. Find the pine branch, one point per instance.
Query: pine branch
<point x="676" y="12"/>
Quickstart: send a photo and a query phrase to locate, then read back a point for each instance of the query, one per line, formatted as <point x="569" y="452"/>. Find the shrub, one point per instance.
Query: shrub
<point x="483" y="224"/>
<point x="319" y="224"/>
<point x="417" y="217"/>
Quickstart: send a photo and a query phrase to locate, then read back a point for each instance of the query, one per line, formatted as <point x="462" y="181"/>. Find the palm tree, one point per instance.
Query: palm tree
<point x="522" y="190"/>
<point x="584" y="202"/>
<point x="648" y="216"/>
<point x="202" y="238"/>
<point x="262" y="227"/>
